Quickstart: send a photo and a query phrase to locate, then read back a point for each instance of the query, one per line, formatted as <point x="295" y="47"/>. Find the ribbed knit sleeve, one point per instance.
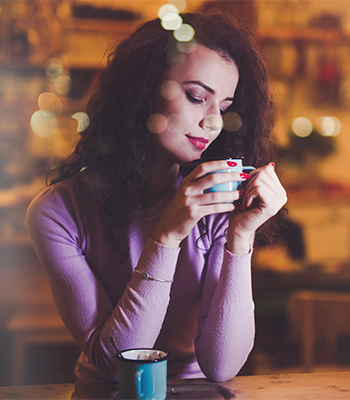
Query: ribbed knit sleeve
<point x="226" y="326"/>
<point x="81" y="299"/>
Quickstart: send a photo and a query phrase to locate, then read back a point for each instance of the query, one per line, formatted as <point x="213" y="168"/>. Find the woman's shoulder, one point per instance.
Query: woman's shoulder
<point x="67" y="196"/>
<point x="63" y="189"/>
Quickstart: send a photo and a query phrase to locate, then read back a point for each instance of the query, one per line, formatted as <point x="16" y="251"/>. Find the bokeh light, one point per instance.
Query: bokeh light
<point x="302" y="127"/>
<point x="53" y="69"/>
<point x="83" y="120"/>
<point x="170" y="90"/>
<point x="184" y="33"/>
<point x="43" y="124"/>
<point x="213" y="122"/>
<point x="232" y="121"/>
<point x="63" y="84"/>
<point x="171" y="21"/>
<point x="186" y="47"/>
<point x="329" y="126"/>
<point x="58" y="76"/>
<point x="156" y="123"/>
<point x="179" y="4"/>
<point x="50" y="102"/>
<point x="166" y="9"/>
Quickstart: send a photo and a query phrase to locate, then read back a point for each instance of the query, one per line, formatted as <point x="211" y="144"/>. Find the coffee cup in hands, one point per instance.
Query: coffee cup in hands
<point x="235" y="165"/>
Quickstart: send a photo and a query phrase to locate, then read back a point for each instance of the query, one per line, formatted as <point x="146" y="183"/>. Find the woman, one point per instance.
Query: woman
<point x="132" y="247"/>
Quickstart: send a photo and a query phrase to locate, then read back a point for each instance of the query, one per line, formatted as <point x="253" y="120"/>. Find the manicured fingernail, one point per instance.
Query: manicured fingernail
<point x="244" y="175"/>
<point x="273" y="164"/>
<point x="231" y="163"/>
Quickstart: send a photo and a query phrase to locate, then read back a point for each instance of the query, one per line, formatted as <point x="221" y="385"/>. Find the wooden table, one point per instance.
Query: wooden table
<point x="312" y="386"/>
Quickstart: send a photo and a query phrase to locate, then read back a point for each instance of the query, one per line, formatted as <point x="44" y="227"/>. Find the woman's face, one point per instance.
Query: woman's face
<point x="196" y="92"/>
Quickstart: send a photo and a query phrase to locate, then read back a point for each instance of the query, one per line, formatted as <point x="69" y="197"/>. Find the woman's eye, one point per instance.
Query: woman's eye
<point x="224" y="109"/>
<point x="194" y="99"/>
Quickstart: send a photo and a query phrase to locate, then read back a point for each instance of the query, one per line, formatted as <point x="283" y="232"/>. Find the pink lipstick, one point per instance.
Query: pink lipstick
<point x="198" y="142"/>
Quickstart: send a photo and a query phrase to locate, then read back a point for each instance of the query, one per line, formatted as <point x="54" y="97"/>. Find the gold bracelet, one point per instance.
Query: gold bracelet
<point x="146" y="276"/>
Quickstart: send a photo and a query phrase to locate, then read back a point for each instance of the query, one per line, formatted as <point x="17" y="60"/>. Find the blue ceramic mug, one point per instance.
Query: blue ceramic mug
<point x="143" y="374"/>
<point x="236" y="166"/>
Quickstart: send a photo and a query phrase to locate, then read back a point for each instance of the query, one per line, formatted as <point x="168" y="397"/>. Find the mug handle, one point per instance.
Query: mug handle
<point x="248" y="168"/>
<point x="138" y="386"/>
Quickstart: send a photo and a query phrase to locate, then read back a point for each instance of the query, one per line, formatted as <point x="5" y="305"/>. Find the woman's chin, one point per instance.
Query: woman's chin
<point x="190" y="163"/>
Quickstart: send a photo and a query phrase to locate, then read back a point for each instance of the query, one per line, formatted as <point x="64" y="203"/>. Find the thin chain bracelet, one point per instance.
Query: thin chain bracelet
<point x="146" y="276"/>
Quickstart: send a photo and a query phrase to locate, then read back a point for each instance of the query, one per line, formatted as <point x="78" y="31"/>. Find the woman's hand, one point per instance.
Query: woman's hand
<point x="189" y="204"/>
<point x="263" y="198"/>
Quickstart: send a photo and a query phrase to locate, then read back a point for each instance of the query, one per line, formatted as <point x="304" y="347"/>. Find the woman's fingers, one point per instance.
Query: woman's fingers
<point x="214" y="198"/>
<point x="206" y="168"/>
<point x="217" y="208"/>
<point x="183" y="212"/>
<point x="206" y="176"/>
<point x="267" y="174"/>
<point x="265" y="185"/>
<point x="263" y="198"/>
<point x="216" y="178"/>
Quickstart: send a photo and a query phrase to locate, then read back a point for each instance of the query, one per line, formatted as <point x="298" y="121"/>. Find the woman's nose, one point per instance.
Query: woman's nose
<point x="212" y="123"/>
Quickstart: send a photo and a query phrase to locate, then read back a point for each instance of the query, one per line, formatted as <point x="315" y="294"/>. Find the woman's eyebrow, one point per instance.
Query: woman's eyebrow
<point x="207" y="88"/>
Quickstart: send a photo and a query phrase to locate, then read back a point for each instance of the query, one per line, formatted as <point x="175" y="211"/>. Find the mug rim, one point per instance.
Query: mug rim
<point x="121" y="358"/>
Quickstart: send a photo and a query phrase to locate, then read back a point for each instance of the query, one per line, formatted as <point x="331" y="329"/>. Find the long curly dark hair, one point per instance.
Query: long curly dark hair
<point x="116" y="142"/>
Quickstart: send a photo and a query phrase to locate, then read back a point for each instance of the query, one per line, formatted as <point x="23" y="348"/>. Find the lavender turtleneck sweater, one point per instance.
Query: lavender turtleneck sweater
<point x="204" y="319"/>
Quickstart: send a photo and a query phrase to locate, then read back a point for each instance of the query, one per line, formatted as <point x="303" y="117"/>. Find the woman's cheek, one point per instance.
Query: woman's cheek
<point x="177" y="123"/>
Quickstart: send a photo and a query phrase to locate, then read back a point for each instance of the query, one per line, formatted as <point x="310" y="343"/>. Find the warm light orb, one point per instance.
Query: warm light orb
<point x="63" y="84"/>
<point x="50" y="102"/>
<point x="83" y="120"/>
<point x="185" y="33"/>
<point x="338" y="126"/>
<point x="213" y="122"/>
<point x="43" y="124"/>
<point x="302" y="127"/>
<point x="330" y="126"/>
<point x="171" y="21"/>
<point x="170" y="90"/>
<point x="232" y="121"/>
<point x="179" y="4"/>
<point x="156" y="123"/>
<point x="186" y="47"/>
<point x="53" y="69"/>
<point x="166" y="9"/>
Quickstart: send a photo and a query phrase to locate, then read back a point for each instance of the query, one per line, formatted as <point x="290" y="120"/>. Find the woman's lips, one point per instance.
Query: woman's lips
<point x="198" y="142"/>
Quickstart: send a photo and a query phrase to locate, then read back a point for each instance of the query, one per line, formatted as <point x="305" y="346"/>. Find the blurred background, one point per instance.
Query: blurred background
<point x="51" y="54"/>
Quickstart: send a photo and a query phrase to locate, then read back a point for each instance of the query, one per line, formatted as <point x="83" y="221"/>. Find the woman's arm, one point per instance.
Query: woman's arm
<point x="82" y="300"/>
<point x="226" y="329"/>
<point x="226" y="323"/>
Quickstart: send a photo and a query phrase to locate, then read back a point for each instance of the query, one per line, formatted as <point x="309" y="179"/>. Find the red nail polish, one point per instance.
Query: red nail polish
<point x="244" y="175"/>
<point x="273" y="164"/>
<point x="231" y="163"/>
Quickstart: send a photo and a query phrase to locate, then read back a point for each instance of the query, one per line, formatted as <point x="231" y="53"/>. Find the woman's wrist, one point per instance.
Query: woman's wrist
<point x="164" y="239"/>
<point x="239" y="244"/>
